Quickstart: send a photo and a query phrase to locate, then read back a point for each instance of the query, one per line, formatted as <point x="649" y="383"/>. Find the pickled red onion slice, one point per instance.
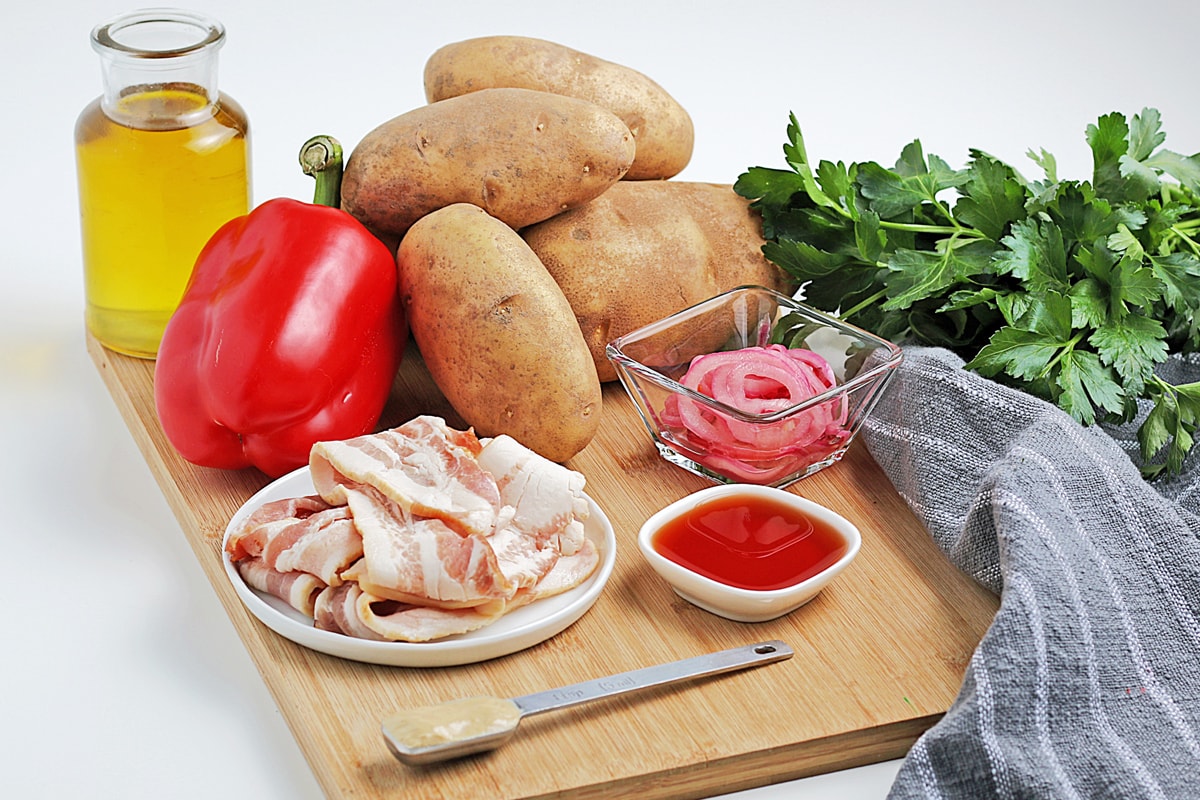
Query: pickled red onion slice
<point x="760" y="381"/>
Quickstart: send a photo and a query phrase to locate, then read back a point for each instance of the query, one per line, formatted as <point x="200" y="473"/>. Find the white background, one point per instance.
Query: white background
<point x="120" y="676"/>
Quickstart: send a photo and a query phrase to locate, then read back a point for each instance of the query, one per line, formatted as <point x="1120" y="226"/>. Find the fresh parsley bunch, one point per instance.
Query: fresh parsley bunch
<point x="1070" y="290"/>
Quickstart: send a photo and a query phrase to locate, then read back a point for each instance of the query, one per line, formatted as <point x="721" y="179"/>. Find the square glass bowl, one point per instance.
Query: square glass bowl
<point x="710" y="436"/>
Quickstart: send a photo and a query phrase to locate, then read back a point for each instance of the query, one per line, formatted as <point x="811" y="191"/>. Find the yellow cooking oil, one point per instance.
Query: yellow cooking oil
<point x="158" y="175"/>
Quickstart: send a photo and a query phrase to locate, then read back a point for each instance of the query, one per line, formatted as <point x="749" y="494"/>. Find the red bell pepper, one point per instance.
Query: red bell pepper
<point x="290" y="331"/>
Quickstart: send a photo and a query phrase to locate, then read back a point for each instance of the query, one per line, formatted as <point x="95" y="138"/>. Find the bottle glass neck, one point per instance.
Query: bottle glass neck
<point x="165" y="52"/>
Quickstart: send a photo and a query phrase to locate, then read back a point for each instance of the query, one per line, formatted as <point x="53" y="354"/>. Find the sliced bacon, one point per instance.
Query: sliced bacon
<point x="358" y="574"/>
<point x="413" y="623"/>
<point x="336" y="610"/>
<point x="298" y="589"/>
<point x="326" y="544"/>
<point x="519" y="557"/>
<point x="250" y="540"/>
<point x="424" y="466"/>
<point x="419" y="533"/>
<point x="568" y="572"/>
<point x="547" y="498"/>
<point x="422" y="556"/>
<point x="299" y="535"/>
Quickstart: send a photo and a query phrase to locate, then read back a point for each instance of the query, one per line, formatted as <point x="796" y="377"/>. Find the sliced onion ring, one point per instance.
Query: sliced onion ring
<point x="759" y="381"/>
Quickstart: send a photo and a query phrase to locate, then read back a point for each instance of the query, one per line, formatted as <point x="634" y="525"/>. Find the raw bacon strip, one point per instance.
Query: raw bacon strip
<point x="423" y="557"/>
<point x="250" y="540"/>
<point x="568" y="572"/>
<point x="302" y="534"/>
<point x="424" y="466"/>
<point x="547" y="498"/>
<point x="298" y="589"/>
<point x="411" y="623"/>
<point x="326" y="544"/>
<point x="336" y="611"/>
<point x="520" y="559"/>
<point x="358" y="574"/>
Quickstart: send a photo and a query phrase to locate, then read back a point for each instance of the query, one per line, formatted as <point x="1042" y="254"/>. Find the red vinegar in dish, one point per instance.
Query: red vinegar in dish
<point x="750" y="542"/>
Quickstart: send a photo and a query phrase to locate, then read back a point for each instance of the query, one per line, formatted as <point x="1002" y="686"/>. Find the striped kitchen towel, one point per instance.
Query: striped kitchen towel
<point x="1087" y="683"/>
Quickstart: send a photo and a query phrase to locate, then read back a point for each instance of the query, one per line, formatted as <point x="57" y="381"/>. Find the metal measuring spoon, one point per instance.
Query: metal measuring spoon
<point x="477" y="724"/>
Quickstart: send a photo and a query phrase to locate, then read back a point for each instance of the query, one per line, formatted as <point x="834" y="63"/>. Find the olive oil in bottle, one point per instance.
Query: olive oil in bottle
<point x="163" y="161"/>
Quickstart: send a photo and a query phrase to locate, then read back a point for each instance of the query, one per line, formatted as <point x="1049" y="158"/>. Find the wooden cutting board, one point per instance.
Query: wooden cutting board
<point x="880" y="654"/>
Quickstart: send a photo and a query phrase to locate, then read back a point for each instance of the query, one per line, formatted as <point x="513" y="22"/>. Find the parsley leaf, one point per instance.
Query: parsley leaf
<point x="1109" y="140"/>
<point x="994" y="197"/>
<point x="1071" y="290"/>
<point x="918" y="274"/>
<point x="1020" y="353"/>
<point x="1170" y="426"/>
<point x="920" y="181"/>
<point x="1132" y="345"/>
<point x="1087" y="384"/>
<point x="1036" y="255"/>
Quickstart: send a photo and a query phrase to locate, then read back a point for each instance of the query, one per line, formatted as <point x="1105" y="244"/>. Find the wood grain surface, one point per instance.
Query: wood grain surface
<point x="880" y="654"/>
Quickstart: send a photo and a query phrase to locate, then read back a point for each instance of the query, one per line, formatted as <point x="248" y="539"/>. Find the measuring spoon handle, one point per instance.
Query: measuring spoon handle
<point x="658" y="675"/>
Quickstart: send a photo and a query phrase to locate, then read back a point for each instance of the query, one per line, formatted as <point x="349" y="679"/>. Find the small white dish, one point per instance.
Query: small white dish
<point x="516" y="630"/>
<point x="735" y="602"/>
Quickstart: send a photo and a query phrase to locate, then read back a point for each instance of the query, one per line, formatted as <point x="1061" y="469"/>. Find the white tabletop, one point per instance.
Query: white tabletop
<point x="122" y="676"/>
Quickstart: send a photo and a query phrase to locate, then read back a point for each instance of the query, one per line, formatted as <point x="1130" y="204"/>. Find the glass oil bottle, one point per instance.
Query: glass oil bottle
<point x="163" y="161"/>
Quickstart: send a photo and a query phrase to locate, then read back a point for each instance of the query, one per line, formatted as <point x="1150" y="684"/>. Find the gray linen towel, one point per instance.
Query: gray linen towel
<point x="1087" y="683"/>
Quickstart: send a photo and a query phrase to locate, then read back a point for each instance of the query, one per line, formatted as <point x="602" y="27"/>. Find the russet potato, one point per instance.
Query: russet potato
<point x="497" y="333"/>
<point x="660" y="125"/>
<point x="521" y="155"/>
<point x="646" y="249"/>
<point x="733" y="231"/>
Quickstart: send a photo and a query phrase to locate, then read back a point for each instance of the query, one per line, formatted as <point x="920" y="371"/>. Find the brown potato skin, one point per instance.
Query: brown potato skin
<point x="733" y="231"/>
<point x="521" y="155"/>
<point x="662" y="127"/>
<point x="646" y="249"/>
<point x="497" y="333"/>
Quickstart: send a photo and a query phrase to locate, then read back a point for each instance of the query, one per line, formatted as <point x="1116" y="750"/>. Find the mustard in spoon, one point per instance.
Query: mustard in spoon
<point x="476" y="724"/>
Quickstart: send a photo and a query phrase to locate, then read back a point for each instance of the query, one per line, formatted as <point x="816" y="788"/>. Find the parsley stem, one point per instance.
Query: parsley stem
<point x="1067" y="347"/>
<point x="1182" y="232"/>
<point x="920" y="227"/>
<point x="945" y="211"/>
<point x="866" y="303"/>
<point x="955" y="232"/>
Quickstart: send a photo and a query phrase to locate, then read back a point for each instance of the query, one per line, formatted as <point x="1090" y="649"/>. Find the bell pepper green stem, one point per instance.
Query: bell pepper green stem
<point x="321" y="157"/>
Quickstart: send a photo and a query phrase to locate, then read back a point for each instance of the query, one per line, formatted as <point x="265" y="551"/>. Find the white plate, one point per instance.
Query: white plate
<point x="516" y="630"/>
